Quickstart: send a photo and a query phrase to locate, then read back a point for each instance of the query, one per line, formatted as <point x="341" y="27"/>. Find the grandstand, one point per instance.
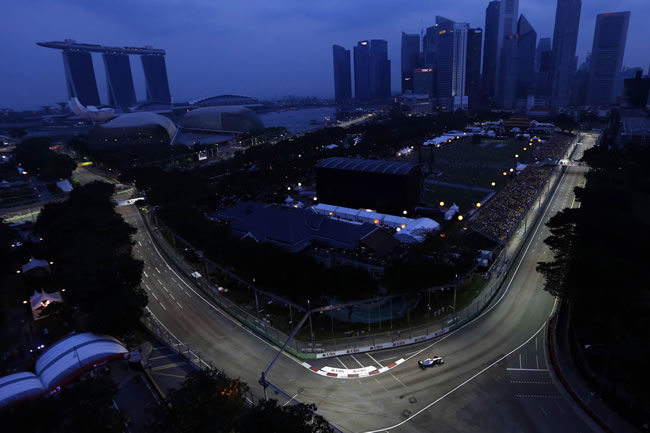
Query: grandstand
<point x="502" y="213"/>
<point x="386" y="186"/>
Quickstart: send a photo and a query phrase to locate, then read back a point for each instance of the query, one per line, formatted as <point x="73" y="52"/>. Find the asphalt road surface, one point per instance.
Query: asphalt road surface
<point x="495" y="377"/>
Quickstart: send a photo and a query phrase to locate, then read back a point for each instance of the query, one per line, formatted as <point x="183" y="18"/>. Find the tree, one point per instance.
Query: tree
<point x="565" y="122"/>
<point x="90" y="246"/>
<point x="207" y="402"/>
<point x="17" y="132"/>
<point x="35" y="156"/>
<point x="269" y="417"/>
<point x="599" y="268"/>
<point x="85" y="406"/>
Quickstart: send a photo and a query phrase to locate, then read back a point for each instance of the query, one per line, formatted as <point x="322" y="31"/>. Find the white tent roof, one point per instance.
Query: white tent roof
<point x="70" y="356"/>
<point x="40" y="300"/>
<point x="417" y="230"/>
<point x="451" y="212"/>
<point x="64" y="185"/>
<point x="74" y="353"/>
<point x="35" y="263"/>
<point x="18" y="386"/>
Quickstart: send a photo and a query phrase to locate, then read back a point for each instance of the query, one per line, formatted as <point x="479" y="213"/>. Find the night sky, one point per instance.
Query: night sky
<point x="261" y="48"/>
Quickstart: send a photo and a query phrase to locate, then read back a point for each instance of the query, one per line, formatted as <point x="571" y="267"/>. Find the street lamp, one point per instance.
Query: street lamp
<point x="493" y="184"/>
<point x="442" y="203"/>
<point x="460" y="217"/>
<point x="478" y="204"/>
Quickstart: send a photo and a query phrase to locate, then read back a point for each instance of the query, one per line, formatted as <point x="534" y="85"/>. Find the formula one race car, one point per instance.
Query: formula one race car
<point x="430" y="362"/>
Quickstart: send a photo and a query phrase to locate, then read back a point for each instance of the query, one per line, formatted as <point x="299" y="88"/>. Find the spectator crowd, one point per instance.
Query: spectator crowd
<point x="498" y="217"/>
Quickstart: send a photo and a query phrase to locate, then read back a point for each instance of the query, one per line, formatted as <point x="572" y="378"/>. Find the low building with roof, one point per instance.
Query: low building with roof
<point x="221" y="100"/>
<point x="215" y="125"/>
<point x="407" y="230"/>
<point x="295" y="229"/>
<point x="635" y="130"/>
<point x="133" y="128"/>
<point x="382" y="185"/>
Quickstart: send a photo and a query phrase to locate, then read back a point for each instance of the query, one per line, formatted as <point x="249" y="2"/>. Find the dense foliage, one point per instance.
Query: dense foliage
<point x="86" y="406"/>
<point x="35" y="157"/>
<point x="210" y="402"/>
<point x="90" y="247"/>
<point x="600" y="255"/>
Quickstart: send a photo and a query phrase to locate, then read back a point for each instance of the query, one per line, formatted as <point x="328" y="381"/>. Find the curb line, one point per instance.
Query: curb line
<point x="357" y="373"/>
<point x="552" y="346"/>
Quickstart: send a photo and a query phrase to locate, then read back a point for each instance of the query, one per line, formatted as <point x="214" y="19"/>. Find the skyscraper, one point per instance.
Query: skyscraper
<point x="410" y="59"/>
<point x="423" y="81"/>
<point x="473" y="69"/>
<point x="490" y="49"/>
<point x="543" y="68"/>
<point x="578" y="94"/>
<point x="506" y="91"/>
<point x="607" y="57"/>
<point x="451" y="64"/>
<point x="80" y="76"/>
<point x="342" y="74"/>
<point x="506" y="46"/>
<point x="565" y="38"/>
<point x="155" y="76"/>
<point x="121" y="93"/>
<point x="430" y="47"/>
<point x="526" y="41"/>
<point x="371" y="70"/>
<point x="543" y="45"/>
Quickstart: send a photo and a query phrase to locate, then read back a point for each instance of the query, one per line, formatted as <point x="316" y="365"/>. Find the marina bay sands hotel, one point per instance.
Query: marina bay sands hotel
<point x="80" y="74"/>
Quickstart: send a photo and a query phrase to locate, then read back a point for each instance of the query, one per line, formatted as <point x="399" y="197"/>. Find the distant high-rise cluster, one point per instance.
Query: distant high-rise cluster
<point x="80" y="73"/>
<point x="371" y="72"/>
<point x="517" y="70"/>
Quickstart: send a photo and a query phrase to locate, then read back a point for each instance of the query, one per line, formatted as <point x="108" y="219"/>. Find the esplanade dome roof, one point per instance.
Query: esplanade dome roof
<point x="223" y="118"/>
<point x="141" y="119"/>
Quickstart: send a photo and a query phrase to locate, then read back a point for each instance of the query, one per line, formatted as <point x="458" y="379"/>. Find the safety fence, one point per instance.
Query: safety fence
<point x="434" y="325"/>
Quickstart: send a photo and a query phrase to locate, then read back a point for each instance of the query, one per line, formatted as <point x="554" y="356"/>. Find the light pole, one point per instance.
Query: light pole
<point x="311" y="330"/>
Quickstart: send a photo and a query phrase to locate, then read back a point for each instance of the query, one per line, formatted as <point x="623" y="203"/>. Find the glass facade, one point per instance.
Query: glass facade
<point x="565" y="39"/>
<point x="80" y="76"/>
<point x="155" y="75"/>
<point x="342" y="74"/>
<point x="410" y="59"/>
<point x="121" y="93"/>
<point x="490" y="49"/>
<point x="526" y="41"/>
<point x="607" y="52"/>
<point x="371" y="70"/>
<point x="473" y="68"/>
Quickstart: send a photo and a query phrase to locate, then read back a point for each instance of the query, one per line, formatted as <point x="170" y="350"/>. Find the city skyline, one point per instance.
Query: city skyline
<point x="299" y="65"/>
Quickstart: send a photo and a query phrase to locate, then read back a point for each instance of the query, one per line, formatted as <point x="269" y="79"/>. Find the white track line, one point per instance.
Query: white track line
<point x="385" y="429"/>
<point x="526" y="369"/>
<point x="219" y="310"/>
<point x="514" y="274"/>
<point x="370" y="356"/>
<point x="539" y="224"/>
